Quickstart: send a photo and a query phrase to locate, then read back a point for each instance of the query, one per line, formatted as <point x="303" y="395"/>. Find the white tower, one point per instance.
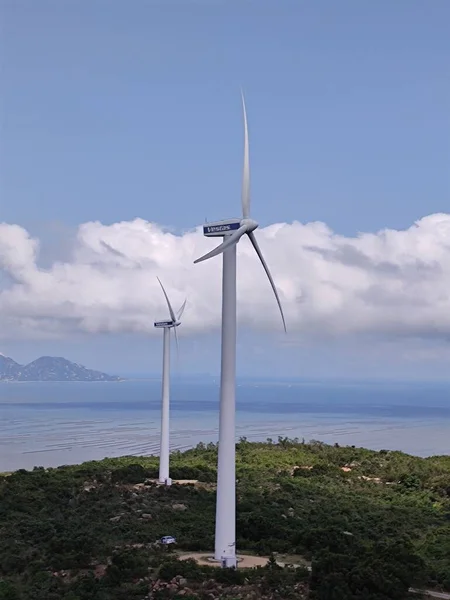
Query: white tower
<point x="172" y="323"/>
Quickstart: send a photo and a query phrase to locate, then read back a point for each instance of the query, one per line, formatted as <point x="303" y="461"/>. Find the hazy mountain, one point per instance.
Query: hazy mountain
<point x="49" y="368"/>
<point x="9" y="369"/>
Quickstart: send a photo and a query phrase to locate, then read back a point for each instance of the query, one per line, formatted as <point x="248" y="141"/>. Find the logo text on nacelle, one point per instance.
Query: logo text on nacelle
<point x="220" y="228"/>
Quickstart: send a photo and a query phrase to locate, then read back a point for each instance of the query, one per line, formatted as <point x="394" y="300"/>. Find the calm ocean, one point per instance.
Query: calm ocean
<point x="50" y="424"/>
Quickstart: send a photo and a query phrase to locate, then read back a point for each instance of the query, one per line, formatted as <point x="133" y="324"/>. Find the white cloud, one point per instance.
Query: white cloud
<point x="393" y="282"/>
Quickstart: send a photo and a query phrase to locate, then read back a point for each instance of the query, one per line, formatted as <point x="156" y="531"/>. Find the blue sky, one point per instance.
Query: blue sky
<point x="113" y="110"/>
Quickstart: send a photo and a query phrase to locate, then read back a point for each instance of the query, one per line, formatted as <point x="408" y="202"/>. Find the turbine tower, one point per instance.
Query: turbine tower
<point x="172" y="323"/>
<point x="231" y="230"/>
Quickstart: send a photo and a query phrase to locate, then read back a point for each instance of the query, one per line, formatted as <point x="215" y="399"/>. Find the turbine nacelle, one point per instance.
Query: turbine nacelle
<point x="221" y="228"/>
<point x="174" y="320"/>
<point x="228" y="227"/>
<point x="167" y="324"/>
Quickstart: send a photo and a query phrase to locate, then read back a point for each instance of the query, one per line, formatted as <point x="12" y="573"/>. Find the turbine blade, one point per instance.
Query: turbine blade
<point x="172" y="314"/>
<point x="227" y="243"/>
<point x="176" y="344"/>
<point x="246" y="170"/>
<point x="251" y="235"/>
<point x="181" y="311"/>
<point x="176" y="370"/>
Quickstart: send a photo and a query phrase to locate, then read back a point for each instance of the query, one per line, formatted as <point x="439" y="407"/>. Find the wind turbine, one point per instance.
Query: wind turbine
<point x="231" y="230"/>
<point x="172" y="323"/>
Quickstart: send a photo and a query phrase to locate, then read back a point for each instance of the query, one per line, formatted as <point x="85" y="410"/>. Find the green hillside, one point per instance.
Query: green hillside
<point x="369" y="524"/>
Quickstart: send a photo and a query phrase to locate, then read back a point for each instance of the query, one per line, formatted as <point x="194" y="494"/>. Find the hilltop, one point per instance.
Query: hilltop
<point x="367" y="524"/>
<point x="49" y="368"/>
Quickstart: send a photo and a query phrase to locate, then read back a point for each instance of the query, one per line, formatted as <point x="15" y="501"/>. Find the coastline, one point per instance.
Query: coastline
<point x="54" y="423"/>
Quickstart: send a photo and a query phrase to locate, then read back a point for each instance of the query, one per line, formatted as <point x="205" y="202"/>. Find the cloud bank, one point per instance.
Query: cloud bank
<point x="389" y="282"/>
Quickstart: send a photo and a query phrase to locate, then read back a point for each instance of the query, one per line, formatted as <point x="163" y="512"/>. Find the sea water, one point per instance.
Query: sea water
<point x="49" y="424"/>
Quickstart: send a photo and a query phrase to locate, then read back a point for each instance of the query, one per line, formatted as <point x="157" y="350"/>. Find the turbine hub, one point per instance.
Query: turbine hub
<point x="250" y="224"/>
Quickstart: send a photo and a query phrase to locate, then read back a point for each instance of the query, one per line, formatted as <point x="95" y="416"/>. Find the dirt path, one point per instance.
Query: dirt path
<point x="244" y="561"/>
<point x="431" y="594"/>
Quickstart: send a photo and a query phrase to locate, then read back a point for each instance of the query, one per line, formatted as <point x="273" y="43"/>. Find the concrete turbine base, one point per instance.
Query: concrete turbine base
<point x="242" y="561"/>
<point x="167" y="481"/>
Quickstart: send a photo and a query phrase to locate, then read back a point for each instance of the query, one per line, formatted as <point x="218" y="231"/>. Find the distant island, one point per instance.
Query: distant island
<point x="49" y="368"/>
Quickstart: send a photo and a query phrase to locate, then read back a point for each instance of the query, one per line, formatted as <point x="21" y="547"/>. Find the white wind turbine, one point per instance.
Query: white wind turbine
<point x="172" y="323"/>
<point x="231" y="230"/>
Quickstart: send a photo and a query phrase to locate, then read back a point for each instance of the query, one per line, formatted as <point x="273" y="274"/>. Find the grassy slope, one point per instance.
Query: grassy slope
<point x="293" y="498"/>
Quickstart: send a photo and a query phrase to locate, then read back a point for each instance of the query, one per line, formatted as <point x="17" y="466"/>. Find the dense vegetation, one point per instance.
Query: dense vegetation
<point x="370" y="524"/>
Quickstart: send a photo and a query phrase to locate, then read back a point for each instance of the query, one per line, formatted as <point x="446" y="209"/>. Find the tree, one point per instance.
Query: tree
<point x="8" y="591"/>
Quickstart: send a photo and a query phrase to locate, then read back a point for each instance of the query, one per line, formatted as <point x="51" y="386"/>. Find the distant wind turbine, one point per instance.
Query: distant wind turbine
<point x="172" y="323"/>
<point x="231" y="230"/>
